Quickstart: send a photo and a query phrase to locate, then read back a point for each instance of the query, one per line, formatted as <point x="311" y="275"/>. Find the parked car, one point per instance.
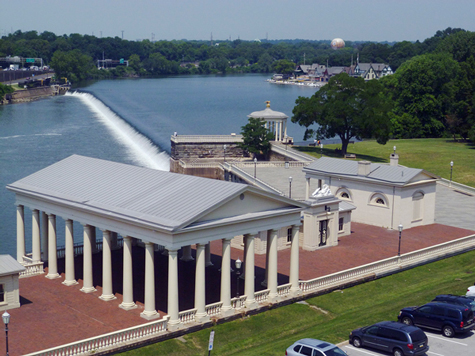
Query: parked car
<point x="446" y="317"/>
<point x="470" y="291"/>
<point x="393" y="337"/>
<point x="456" y="299"/>
<point x="313" y="347"/>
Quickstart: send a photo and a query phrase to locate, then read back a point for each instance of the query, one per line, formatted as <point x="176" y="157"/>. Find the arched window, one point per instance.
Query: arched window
<point x="379" y="199"/>
<point x="343" y="193"/>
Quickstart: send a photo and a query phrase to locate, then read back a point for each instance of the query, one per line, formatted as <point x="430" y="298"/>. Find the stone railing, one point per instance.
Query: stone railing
<point x="31" y="268"/>
<point x="108" y="341"/>
<point x="238" y="303"/>
<point x="284" y="289"/>
<point x="214" y="309"/>
<point x="234" y="169"/>
<point x="291" y="153"/>
<point x="459" y="186"/>
<point x="389" y="265"/>
<point x="187" y="316"/>
<point x="270" y="164"/>
<point x="262" y="295"/>
<point x="206" y="138"/>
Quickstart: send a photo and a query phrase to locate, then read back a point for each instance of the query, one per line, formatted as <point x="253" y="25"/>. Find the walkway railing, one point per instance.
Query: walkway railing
<point x="335" y="280"/>
<point x="458" y="186"/>
<point x="108" y="341"/>
<point x="291" y="153"/>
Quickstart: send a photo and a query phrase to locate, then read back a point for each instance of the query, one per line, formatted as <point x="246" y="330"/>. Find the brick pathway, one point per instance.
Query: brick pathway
<point x="53" y="314"/>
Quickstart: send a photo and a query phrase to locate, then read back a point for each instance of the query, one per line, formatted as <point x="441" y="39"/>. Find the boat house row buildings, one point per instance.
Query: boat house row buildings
<point x="321" y="73"/>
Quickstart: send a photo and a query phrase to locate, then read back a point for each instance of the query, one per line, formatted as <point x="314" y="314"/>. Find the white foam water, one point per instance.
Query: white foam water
<point x="142" y="150"/>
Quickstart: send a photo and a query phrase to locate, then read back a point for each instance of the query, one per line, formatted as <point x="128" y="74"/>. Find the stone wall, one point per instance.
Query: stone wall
<point x="205" y="150"/>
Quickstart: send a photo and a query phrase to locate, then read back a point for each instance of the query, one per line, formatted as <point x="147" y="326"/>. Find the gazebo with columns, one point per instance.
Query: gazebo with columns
<point x="161" y="209"/>
<point x="275" y="122"/>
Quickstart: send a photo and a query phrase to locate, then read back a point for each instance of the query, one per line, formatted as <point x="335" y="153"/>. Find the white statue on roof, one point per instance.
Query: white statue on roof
<point x="324" y="191"/>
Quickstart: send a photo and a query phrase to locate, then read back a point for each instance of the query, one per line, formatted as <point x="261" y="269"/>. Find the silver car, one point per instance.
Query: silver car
<point x="313" y="347"/>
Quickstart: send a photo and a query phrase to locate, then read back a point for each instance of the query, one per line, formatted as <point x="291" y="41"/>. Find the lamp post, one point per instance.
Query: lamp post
<point x="451" y="169"/>
<point x="6" y="320"/>
<point x="238" y="273"/>
<point x="290" y="187"/>
<point x="255" y="167"/>
<point x="224" y="147"/>
<point x="321" y="150"/>
<point x="400" y="231"/>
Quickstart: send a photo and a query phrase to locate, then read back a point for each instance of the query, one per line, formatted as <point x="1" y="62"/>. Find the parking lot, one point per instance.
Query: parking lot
<point x="439" y="345"/>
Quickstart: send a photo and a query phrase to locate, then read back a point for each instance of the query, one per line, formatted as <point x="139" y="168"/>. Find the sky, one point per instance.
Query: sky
<point x="351" y="20"/>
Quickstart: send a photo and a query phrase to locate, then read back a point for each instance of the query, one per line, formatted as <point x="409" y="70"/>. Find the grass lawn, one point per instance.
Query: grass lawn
<point x="432" y="154"/>
<point x="328" y="317"/>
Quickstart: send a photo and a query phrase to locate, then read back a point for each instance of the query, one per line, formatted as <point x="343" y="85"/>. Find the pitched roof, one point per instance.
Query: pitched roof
<point x="383" y="173"/>
<point x="163" y="200"/>
<point x="8" y="265"/>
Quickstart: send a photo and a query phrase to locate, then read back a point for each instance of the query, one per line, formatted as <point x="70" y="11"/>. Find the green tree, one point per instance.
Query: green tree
<point x="72" y="65"/>
<point x="5" y="89"/>
<point x="283" y="66"/>
<point x="346" y="107"/>
<point x="256" y="138"/>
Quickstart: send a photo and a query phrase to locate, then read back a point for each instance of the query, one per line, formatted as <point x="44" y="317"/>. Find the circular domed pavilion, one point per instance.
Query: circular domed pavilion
<point x="276" y="122"/>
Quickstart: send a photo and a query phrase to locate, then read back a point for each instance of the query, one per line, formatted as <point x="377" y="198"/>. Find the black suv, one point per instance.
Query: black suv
<point x="448" y="318"/>
<point x="456" y="299"/>
<point x="391" y="336"/>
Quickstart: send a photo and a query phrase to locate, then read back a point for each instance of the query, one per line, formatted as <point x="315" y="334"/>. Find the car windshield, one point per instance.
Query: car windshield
<point x="336" y="351"/>
<point x="418" y="336"/>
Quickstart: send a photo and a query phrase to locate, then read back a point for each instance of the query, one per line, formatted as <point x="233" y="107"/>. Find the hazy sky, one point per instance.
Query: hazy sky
<point x="371" y="20"/>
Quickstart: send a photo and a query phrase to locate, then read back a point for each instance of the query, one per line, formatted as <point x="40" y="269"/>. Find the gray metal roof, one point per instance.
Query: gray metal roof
<point x="8" y="265"/>
<point x="378" y="172"/>
<point x="345" y="206"/>
<point x="160" y="197"/>
<point x="164" y="200"/>
<point x="268" y="114"/>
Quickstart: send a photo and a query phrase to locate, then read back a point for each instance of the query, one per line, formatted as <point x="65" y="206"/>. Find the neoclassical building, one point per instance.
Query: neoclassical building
<point x="275" y="122"/>
<point x="156" y="208"/>
<point x="384" y="195"/>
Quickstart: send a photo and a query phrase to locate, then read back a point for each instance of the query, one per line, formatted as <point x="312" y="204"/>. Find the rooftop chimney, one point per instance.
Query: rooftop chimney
<point x="364" y="168"/>
<point x="393" y="159"/>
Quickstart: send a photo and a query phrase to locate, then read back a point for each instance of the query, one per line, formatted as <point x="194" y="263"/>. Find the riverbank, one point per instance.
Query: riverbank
<point x="27" y="95"/>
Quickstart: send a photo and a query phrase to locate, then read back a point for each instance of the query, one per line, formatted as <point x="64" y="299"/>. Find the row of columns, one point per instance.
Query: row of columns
<point x="279" y="128"/>
<point x="202" y="261"/>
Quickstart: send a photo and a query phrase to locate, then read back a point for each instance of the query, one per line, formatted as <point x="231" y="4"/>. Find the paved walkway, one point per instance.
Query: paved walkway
<point x="53" y="314"/>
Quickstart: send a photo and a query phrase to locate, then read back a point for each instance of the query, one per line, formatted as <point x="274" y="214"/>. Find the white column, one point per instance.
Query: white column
<point x="70" y="278"/>
<point x="44" y="235"/>
<point x="250" y="274"/>
<point x="20" y="233"/>
<point x="128" y="284"/>
<point x="266" y="274"/>
<point x="285" y="128"/>
<point x="36" y="240"/>
<point x="200" y="285"/>
<point x="208" y="255"/>
<point x="226" y="309"/>
<point x="88" y="285"/>
<point x="107" y="291"/>
<point x="307" y="188"/>
<point x="149" y="312"/>
<point x="294" y="262"/>
<point x="186" y="254"/>
<point x="53" y="256"/>
<point x="174" y="321"/>
<point x="272" y="274"/>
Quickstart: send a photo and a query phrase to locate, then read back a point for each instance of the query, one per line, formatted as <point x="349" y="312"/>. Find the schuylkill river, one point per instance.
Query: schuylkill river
<point x="127" y="121"/>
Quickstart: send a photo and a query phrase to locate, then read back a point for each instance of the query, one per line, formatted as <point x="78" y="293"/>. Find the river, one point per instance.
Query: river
<point x="127" y="121"/>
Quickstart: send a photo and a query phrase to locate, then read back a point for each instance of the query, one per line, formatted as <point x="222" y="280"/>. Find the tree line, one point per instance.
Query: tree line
<point x="431" y="94"/>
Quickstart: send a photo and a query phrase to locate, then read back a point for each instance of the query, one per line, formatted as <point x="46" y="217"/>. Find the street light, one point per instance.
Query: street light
<point x="400" y="231"/>
<point x="290" y="187"/>
<point x="6" y="320"/>
<point x="238" y="273"/>
<point x="321" y="150"/>
<point x="451" y="169"/>
<point x="224" y="147"/>
<point x="255" y="167"/>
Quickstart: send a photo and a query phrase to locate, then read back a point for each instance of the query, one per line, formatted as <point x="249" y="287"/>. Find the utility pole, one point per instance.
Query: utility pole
<point x="122" y="34"/>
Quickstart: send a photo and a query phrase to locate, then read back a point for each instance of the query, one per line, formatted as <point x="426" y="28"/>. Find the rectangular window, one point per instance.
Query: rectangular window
<point x="340" y="224"/>
<point x="2" y="294"/>
<point x="289" y="235"/>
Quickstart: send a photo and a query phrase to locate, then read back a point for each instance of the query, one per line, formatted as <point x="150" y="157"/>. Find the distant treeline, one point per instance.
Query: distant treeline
<point x="432" y="90"/>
